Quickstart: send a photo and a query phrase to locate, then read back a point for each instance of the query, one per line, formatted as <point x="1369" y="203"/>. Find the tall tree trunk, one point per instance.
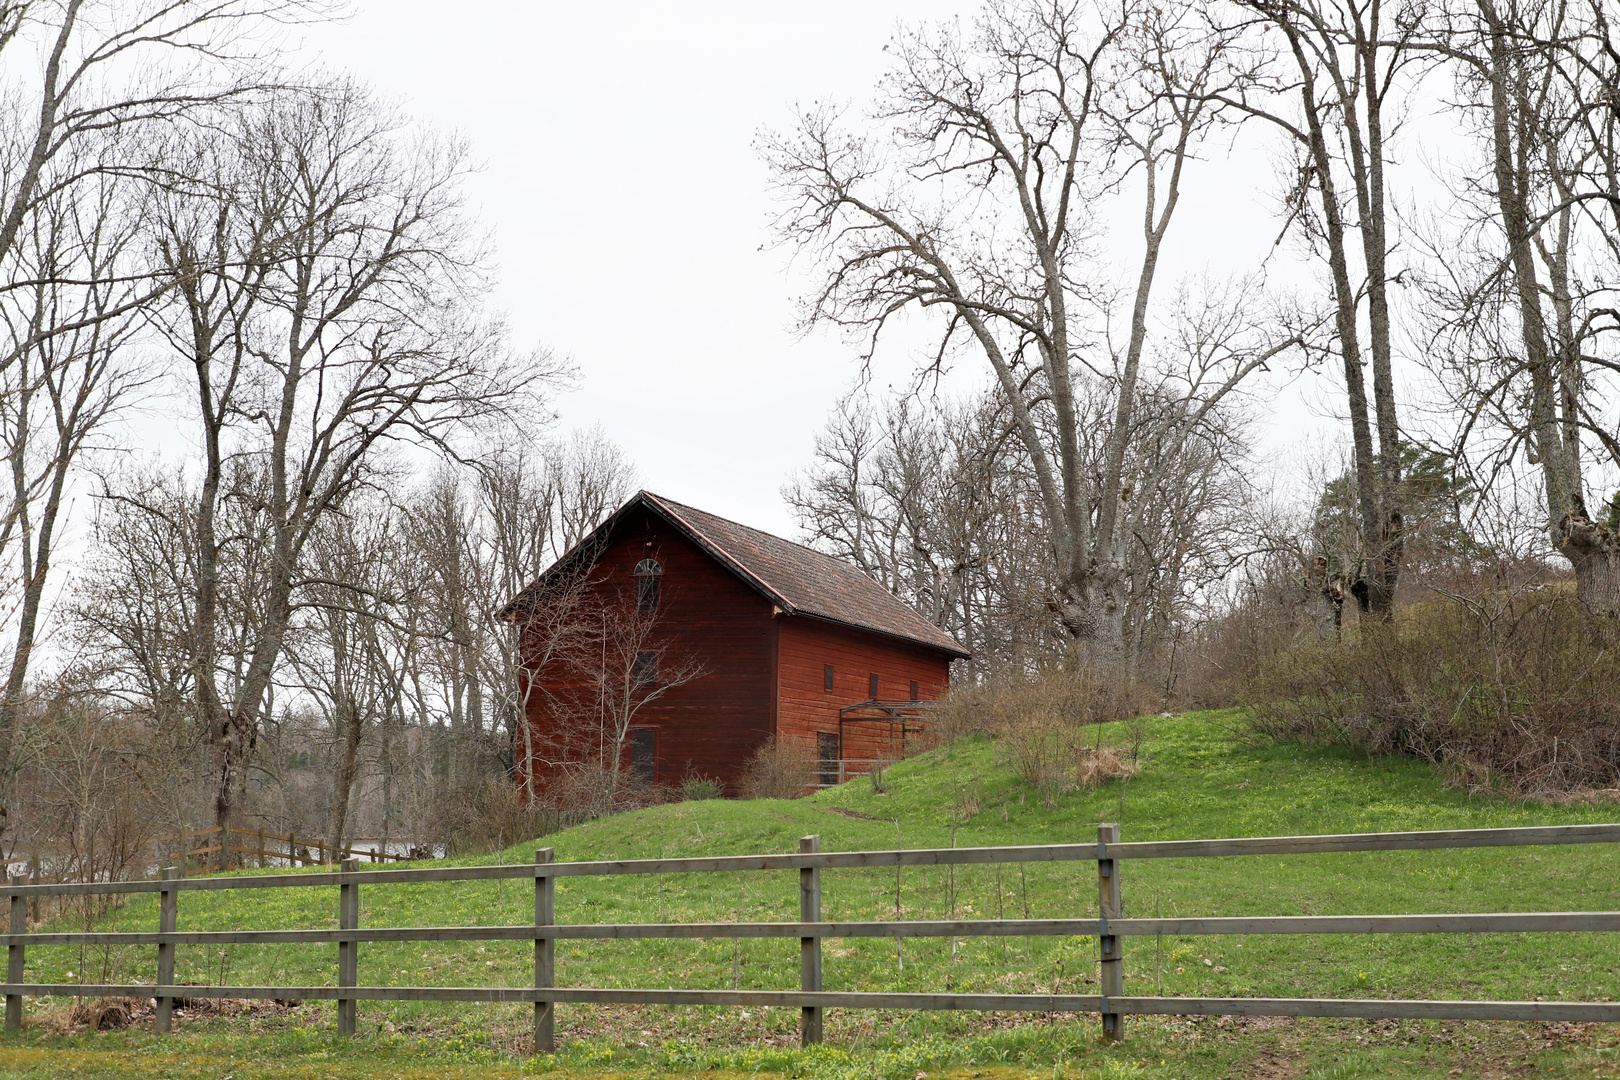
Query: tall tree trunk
<point x="1325" y="601"/>
<point x="1388" y="543"/>
<point x="343" y="775"/>
<point x="1592" y="549"/>
<point x="1366" y="471"/>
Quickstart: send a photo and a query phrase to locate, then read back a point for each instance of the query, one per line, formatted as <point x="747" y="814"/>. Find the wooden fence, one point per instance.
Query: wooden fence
<point x="1110" y="929"/>
<point x="261" y="845"/>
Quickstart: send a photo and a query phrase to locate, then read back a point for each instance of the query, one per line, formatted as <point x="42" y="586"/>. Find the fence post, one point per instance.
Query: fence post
<point x="1110" y="946"/>
<point x="14" y="959"/>
<point x="35" y="876"/>
<point x="809" y="947"/>
<point x="261" y="849"/>
<point x="545" y="953"/>
<point x="185" y="849"/>
<point x="348" y="951"/>
<point x="168" y="908"/>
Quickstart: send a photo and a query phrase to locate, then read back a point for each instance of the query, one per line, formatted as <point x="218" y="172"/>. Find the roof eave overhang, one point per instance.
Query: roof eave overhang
<point x="956" y="652"/>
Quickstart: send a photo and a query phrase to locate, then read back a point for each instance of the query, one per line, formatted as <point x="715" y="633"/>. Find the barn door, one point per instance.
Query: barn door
<point x="827" y="751"/>
<point x="644" y="754"/>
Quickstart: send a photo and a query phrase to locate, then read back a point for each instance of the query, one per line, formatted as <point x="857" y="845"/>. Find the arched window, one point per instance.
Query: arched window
<point x="647" y="574"/>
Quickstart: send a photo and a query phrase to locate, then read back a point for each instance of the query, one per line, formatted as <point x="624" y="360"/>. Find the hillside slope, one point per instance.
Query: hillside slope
<point x="1199" y="779"/>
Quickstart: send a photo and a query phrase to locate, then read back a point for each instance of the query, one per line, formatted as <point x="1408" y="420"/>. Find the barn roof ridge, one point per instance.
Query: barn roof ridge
<point x="795" y="577"/>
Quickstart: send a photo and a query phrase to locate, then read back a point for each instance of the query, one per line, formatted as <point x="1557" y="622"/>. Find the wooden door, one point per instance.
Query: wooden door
<point x="827" y="751"/>
<point x="644" y="754"/>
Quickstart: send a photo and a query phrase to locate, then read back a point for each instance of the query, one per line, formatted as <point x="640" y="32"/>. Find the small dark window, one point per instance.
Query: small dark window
<point x="827" y="752"/>
<point x="871" y="687"/>
<point x="645" y="672"/>
<point x="647" y="575"/>
<point x="913" y="689"/>
<point x="826" y="678"/>
<point x="644" y="754"/>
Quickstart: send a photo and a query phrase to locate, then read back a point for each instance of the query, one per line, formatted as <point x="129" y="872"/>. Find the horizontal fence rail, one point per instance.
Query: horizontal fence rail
<point x="1156" y="849"/>
<point x="1110" y="928"/>
<point x="1533" y="923"/>
<point x="1374" y="1008"/>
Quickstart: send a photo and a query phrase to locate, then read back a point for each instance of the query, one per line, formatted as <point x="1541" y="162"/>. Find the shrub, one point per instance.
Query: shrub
<point x="697" y="787"/>
<point x="1099" y="764"/>
<point x="1502" y="688"/>
<point x="880" y="782"/>
<point x="777" y="771"/>
<point x="1065" y="698"/>
<point x="1042" y="752"/>
<point x="1045" y="728"/>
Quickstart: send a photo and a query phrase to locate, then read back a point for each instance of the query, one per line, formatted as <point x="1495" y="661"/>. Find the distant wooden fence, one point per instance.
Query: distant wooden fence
<point x="845" y="769"/>
<point x="256" y="843"/>
<point x="1110" y="928"/>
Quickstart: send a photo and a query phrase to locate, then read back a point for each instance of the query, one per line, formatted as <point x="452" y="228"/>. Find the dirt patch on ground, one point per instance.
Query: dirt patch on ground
<point x="1280" y="1047"/>
<point x="1275" y="1067"/>
<point x="112" y="1013"/>
<point x="856" y="814"/>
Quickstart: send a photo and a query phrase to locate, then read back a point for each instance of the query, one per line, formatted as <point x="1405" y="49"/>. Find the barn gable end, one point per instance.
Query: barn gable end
<point x="766" y="618"/>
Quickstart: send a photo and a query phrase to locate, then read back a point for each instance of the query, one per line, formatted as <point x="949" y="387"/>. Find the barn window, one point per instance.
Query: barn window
<point x="913" y="689"/>
<point x="647" y="574"/>
<point x="872" y="688"/>
<point x="644" y="754"/>
<point x="645" y="671"/>
<point x="826" y="678"/>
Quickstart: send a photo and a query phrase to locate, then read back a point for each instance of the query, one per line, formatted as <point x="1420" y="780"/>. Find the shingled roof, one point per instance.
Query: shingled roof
<point x="800" y="580"/>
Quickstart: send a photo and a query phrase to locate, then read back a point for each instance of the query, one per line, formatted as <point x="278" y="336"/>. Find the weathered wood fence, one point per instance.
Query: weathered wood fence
<point x="261" y="845"/>
<point x="1110" y="929"/>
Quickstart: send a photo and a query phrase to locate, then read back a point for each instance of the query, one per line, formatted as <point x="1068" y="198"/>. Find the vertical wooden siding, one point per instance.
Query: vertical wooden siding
<point x="713" y="724"/>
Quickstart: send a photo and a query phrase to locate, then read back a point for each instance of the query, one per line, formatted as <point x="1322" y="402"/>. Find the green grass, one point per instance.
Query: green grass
<point x="1198" y="780"/>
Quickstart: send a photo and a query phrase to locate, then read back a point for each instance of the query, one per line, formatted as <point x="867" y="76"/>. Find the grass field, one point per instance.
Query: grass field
<point x="1200" y="779"/>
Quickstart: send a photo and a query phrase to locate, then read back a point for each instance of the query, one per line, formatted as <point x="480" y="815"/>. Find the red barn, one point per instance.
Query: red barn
<point x="737" y="637"/>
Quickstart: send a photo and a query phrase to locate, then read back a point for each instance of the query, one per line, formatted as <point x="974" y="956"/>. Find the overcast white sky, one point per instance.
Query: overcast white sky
<point x="630" y="211"/>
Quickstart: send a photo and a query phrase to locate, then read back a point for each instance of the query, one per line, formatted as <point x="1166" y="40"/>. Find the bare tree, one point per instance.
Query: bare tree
<point x="1341" y="63"/>
<point x="341" y="651"/>
<point x="59" y="389"/>
<point x="934" y="502"/>
<point x="1531" y="319"/>
<point x="597" y="657"/>
<point x="94" y="783"/>
<point x="981" y="213"/>
<point x="626" y="660"/>
<point x="325" y="307"/>
<point x="531" y="513"/>
<point x="91" y="80"/>
<point x="113" y="67"/>
<point x="936" y="506"/>
<point x="590" y="478"/>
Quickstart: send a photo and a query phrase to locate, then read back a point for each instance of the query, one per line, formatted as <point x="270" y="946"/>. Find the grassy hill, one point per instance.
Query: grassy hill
<point x="1199" y="779"/>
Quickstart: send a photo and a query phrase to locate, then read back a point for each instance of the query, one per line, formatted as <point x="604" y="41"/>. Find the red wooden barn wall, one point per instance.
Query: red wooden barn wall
<point x="804" y="707"/>
<point x="714" y="723"/>
<point x="765" y="672"/>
